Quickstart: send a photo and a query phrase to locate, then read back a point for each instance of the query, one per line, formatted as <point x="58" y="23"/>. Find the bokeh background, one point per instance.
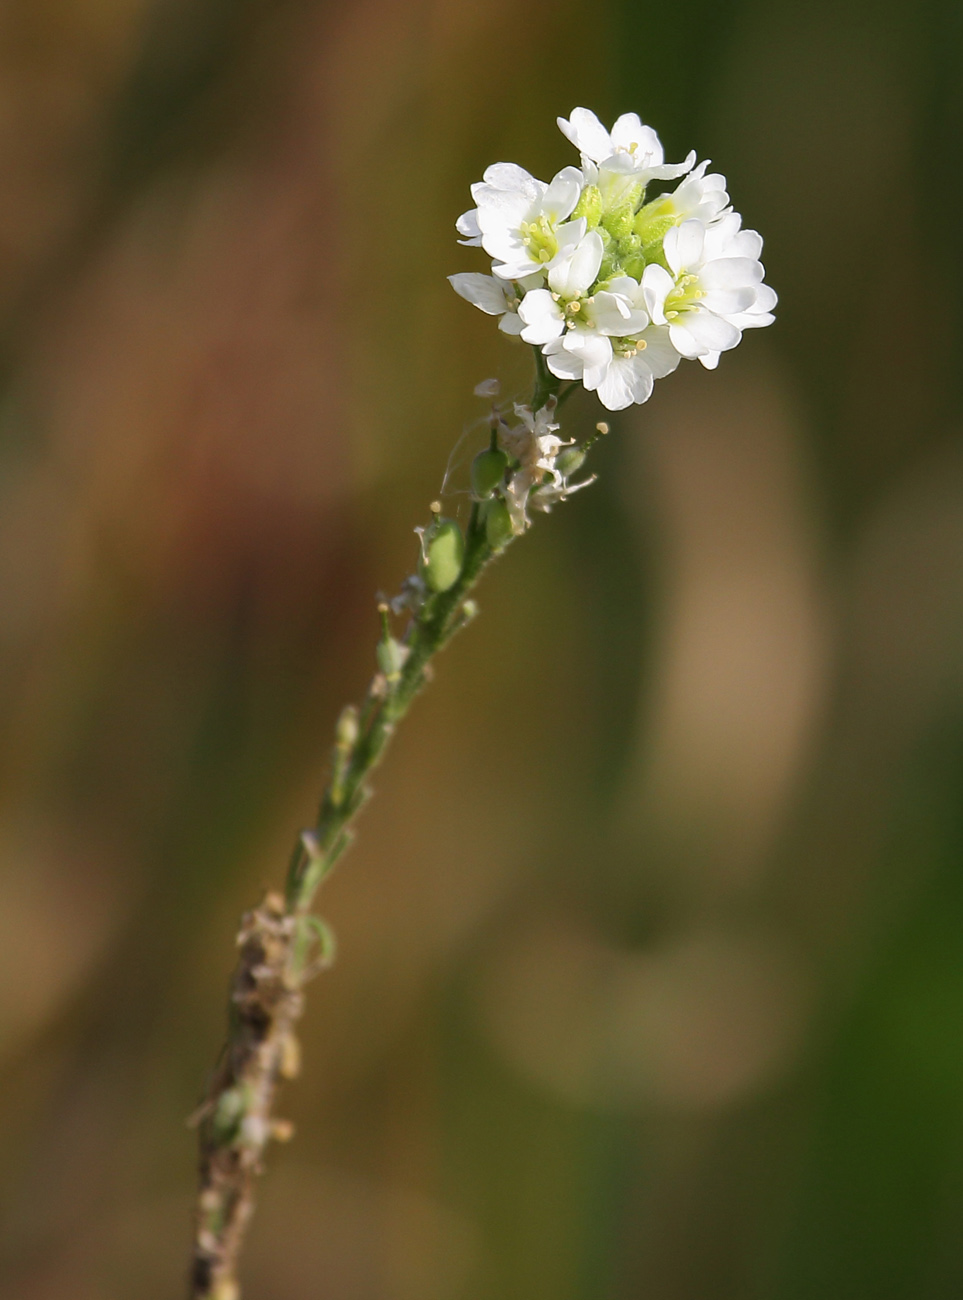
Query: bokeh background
<point x="651" y="972"/>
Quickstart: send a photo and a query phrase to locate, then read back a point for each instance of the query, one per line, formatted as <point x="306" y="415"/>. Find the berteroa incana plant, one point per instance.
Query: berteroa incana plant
<point x="613" y="286"/>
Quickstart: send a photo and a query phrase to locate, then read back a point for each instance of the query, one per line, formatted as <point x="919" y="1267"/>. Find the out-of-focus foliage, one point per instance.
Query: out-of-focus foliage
<point x="651" y="974"/>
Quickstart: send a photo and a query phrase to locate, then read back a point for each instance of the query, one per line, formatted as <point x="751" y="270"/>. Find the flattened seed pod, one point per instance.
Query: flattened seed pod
<point x="444" y="554"/>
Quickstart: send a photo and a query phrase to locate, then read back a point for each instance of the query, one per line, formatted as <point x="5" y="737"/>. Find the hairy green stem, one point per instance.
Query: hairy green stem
<point x="546" y="384"/>
<point x="282" y="946"/>
<point x="387" y="703"/>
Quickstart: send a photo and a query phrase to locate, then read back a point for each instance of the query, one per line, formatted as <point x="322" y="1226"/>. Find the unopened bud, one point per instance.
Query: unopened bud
<point x="498" y="524"/>
<point x="487" y="471"/>
<point x="444" y="555"/>
<point x="590" y="206"/>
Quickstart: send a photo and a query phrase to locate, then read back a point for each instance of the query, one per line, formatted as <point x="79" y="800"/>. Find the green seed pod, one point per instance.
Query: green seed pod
<point x="391" y="658"/>
<point x="487" y="471"/>
<point x="569" y="462"/>
<point x="498" y="524"/>
<point x="444" y="555"/>
<point x="228" y="1113"/>
<point x="348" y="730"/>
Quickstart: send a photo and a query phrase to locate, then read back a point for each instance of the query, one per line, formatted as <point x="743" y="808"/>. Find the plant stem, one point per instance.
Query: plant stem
<point x="435" y="624"/>
<point x="546" y="384"/>
<point x="282" y="946"/>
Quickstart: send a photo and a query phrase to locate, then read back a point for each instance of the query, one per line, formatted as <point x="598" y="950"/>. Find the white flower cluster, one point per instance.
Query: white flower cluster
<point x="613" y="288"/>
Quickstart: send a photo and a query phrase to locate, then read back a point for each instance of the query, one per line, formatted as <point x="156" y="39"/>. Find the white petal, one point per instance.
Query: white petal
<point x="499" y="208"/>
<point x="712" y="333"/>
<point x="751" y="320"/>
<point x="614" y="314"/>
<point x="730" y="273"/>
<point x="639" y="378"/>
<point x="744" y="243"/>
<point x="656" y="284"/>
<point x="542" y="317"/>
<point x="467" y="225"/>
<point x="614" y="393"/>
<point x="587" y="133"/>
<point x="766" y="298"/>
<point x="627" y="130"/>
<point x="683" y="245"/>
<point x="562" y="363"/>
<point x="570" y="232"/>
<point x="536" y="281"/>
<point x="710" y="360"/>
<point x="519" y="268"/>
<point x="481" y="290"/>
<point x="595" y="352"/>
<point x="671" y="171"/>
<point x="560" y="198"/>
<point x="682" y="340"/>
<point x="628" y="288"/>
<point x="573" y="272"/>
<point x="659" y="356"/>
<point x="625" y="384"/>
<point x="510" y="323"/>
<point x="512" y="178"/>
<point x="727" y="302"/>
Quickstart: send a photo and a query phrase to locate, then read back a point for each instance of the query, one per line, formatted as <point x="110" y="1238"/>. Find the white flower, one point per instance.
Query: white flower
<point x="521" y="221"/>
<point x="622" y="370"/>
<point x="494" y="297"/>
<point x="715" y="289"/>
<point x="698" y="196"/>
<point x="544" y="311"/>
<point x="567" y="305"/>
<point x="614" y="290"/>
<point x="630" y="146"/>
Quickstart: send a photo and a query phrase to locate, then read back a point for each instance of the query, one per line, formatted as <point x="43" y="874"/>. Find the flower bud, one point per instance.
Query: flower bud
<point x="487" y="471"/>
<point x="498" y="524"/>
<point x="444" y="554"/>
<point x="589" y="206"/>
<point x="619" y="219"/>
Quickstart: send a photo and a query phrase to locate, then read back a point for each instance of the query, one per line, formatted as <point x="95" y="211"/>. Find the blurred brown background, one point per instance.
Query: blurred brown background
<point x="651" y="974"/>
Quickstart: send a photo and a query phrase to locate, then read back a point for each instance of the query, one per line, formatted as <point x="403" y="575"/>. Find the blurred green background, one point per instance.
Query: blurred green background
<point x="651" y="973"/>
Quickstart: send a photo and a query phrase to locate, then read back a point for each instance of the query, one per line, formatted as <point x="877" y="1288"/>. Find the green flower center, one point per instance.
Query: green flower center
<point x="683" y="297"/>
<point x="540" y="238"/>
